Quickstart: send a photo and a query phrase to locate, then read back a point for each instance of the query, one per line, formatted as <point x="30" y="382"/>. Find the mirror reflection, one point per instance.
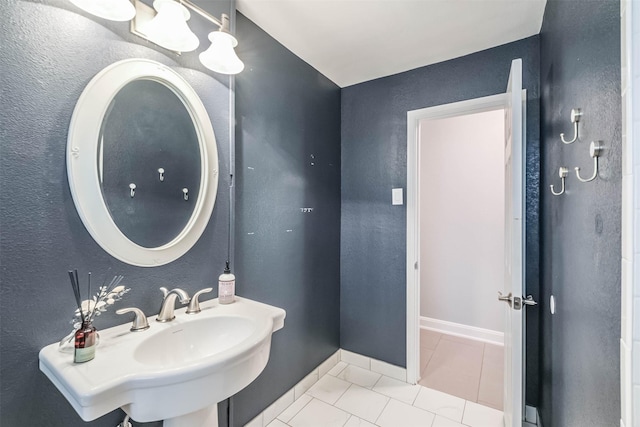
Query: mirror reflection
<point x="149" y="163"/>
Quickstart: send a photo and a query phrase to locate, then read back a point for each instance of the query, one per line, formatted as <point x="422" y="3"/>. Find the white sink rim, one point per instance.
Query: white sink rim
<point x="114" y="379"/>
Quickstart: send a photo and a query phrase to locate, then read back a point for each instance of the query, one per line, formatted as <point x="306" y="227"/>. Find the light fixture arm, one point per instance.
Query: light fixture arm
<point x="223" y="24"/>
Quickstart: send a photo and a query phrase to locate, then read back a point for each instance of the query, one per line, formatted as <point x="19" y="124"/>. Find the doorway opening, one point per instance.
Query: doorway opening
<point x="461" y="205"/>
<point x="511" y="282"/>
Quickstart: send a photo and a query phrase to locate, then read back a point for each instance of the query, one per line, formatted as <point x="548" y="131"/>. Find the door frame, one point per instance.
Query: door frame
<point x="477" y="105"/>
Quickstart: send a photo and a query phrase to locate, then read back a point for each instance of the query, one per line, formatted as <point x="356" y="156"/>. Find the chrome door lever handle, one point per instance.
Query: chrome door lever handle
<point x="516" y="302"/>
<point x="506" y="298"/>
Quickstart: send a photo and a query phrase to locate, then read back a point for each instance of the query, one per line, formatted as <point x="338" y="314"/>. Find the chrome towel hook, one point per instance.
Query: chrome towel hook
<point x="132" y="189"/>
<point x="594" y="151"/>
<point x="562" y="173"/>
<point x="161" y="174"/>
<point x="575" y="118"/>
<point x="185" y="193"/>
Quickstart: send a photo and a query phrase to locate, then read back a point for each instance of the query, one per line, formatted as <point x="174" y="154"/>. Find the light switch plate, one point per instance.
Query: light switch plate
<point x="396" y="196"/>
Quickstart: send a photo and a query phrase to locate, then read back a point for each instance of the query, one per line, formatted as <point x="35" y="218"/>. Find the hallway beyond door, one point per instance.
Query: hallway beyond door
<point x="469" y="369"/>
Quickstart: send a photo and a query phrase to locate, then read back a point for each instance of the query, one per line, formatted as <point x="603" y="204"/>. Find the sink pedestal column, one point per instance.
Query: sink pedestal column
<point x="207" y="417"/>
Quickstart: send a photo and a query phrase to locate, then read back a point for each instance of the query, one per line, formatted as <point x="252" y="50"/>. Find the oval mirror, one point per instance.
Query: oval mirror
<point x="142" y="162"/>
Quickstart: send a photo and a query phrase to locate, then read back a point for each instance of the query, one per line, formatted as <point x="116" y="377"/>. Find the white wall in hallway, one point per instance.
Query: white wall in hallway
<point x="462" y="219"/>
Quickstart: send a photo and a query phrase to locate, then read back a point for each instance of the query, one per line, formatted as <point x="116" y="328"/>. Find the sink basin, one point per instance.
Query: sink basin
<point x="183" y="344"/>
<point x="175" y="371"/>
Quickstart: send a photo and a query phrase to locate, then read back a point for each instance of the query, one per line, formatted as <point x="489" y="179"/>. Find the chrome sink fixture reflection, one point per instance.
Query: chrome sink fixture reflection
<point x="175" y="371"/>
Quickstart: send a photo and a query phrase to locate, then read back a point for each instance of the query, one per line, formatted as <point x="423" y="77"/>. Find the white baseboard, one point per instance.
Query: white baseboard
<point x="531" y="414"/>
<point x="458" y="329"/>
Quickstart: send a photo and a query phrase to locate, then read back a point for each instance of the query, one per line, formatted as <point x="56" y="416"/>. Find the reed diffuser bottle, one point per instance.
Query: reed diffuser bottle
<point x="85" y="338"/>
<point x="85" y="342"/>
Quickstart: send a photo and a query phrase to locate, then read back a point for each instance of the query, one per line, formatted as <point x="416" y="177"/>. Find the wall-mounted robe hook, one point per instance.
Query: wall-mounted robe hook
<point x="161" y="174"/>
<point x="562" y="173"/>
<point x="575" y="119"/>
<point x="594" y="151"/>
<point x="132" y="189"/>
<point x="185" y="193"/>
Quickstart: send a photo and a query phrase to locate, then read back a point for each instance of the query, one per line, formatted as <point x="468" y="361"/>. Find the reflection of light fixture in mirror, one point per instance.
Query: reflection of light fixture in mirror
<point x="219" y="57"/>
<point x="113" y="10"/>
<point x="169" y="27"/>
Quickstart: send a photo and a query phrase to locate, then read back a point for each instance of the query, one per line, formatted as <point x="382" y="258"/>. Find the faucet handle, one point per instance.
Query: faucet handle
<point x="164" y="291"/>
<point x="194" y="304"/>
<point x="139" y="322"/>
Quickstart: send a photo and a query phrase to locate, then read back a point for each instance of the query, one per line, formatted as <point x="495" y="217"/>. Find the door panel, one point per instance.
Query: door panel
<point x="514" y="248"/>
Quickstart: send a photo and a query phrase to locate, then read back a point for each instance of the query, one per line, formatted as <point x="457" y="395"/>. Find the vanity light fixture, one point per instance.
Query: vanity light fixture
<point x="166" y="30"/>
<point x="113" y="10"/>
<point x="220" y="56"/>
<point x="167" y="27"/>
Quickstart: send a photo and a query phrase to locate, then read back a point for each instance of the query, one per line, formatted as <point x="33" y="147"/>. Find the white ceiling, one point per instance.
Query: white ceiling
<point x="352" y="41"/>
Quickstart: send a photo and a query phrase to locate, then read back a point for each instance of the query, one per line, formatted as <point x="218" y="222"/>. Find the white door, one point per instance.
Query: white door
<point x="514" y="248"/>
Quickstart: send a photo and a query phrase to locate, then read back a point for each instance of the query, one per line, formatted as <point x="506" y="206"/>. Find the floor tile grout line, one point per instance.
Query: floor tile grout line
<point x="464" y="409"/>
<point x="343" y="393"/>
<point x="350" y="413"/>
<point x="382" y="412"/>
<point x="417" y="394"/>
<point x="342" y="370"/>
<point x="480" y="376"/>
<point x="298" y="411"/>
<point x="433" y="351"/>
<point x="379" y="379"/>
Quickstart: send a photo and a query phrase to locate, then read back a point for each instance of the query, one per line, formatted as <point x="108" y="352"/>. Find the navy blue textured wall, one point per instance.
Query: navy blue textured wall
<point x="50" y="51"/>
<point x="287" y="158"/>
<point x="373" y="234"/>
<point x="580" y="265"/>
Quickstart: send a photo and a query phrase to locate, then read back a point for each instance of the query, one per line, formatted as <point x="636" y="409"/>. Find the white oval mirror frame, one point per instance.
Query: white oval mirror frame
<point x="82" y="165"/>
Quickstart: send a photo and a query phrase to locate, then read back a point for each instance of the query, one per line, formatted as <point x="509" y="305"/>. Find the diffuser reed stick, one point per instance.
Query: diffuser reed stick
<point x="76" y="292"/>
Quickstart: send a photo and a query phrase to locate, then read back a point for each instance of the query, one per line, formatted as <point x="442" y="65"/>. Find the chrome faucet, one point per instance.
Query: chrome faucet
<point x="169" y="303"/>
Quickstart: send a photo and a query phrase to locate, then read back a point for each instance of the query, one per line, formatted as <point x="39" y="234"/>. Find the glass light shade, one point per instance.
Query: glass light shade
<point x="113" y="10"/>
<point x="220" y="57"/>
<point x="169" y="27"/>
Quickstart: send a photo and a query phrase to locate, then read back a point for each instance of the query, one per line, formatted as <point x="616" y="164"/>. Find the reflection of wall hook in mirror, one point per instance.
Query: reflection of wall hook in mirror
<point x="161" y="174"/>
<point x="185" y="193"/>
<point x="575" y="118"/>
<point x="594" y="151"/>
<point x="132" y="189"/>
<point x="562" y="173"/>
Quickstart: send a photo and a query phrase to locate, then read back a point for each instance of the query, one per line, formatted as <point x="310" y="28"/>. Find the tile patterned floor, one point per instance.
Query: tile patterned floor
<point x="468" y="369"/>
<point x="350" y="396"/>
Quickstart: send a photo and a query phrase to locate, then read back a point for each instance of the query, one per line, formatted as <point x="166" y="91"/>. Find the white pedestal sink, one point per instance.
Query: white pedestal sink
<point x="176" y="371"/>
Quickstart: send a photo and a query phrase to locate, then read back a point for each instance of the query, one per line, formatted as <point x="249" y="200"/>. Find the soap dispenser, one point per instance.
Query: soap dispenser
<point x="226" y="286"/>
